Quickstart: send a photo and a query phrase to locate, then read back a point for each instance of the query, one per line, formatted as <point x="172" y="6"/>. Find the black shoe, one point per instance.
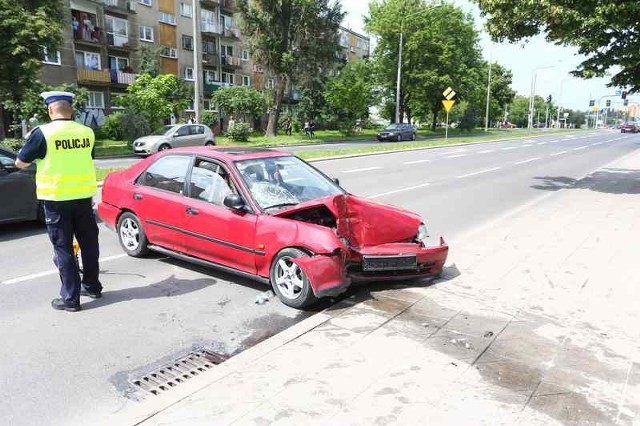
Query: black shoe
<point x="91" y="294"/>
<point x="60" y="305"/>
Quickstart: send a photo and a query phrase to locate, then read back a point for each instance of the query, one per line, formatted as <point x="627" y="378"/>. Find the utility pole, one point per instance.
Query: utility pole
<point x="197" y="61"/>
<point x="486" y="114"/>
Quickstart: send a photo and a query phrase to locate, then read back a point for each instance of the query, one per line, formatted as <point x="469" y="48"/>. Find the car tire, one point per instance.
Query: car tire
<point x="164" y="147"/>
<point x="399" y="138"/>
<point x="289" y="282"/>
<point x="131" y="235"/>
<point x="622" y="131"/>
<point x="209" y="143"/>
<point x="413" y="136"/>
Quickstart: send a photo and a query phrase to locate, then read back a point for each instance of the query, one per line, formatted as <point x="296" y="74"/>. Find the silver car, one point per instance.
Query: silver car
<point x="174" y="136"/>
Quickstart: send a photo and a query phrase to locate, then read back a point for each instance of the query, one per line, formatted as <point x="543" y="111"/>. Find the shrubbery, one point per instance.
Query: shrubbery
<point x="239" y="132"/>
<point x="13" y="144"/>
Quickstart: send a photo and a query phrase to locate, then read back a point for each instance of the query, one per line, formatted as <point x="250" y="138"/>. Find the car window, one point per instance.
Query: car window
<point x="210" y="182"/>
<point x="183" y="131"/>
<point x="167" y="173"/>
<point x="197" y="130"/>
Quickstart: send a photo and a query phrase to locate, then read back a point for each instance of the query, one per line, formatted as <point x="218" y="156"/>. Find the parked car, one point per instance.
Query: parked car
<point x="18" y="186"/>
<point x="398" y="132"/>
<point x="174" y="136"/>
<point x="629" y="128"/>
<point x="267" y="215"/>
<point x="508" y="125"/>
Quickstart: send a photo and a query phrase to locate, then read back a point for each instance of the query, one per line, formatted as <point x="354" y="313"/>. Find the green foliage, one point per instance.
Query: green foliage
<point x="155" y="98"/>
<point x="606" y="31"/>
<point x="150" y="59"/>
<point x="470" y="117"/>
<point x="134" y="125"/>
<point x="239" y="132"/>
<point x="13" y="144"/>
<point x="209" y="118"/>
<point x="242" y="101"/>
<point x="294" y="39"/>
<point x="112" y="127"/>
<point x="32" y="103"/>
<point x="350" y="95"/>
<point x="25" y="27"/>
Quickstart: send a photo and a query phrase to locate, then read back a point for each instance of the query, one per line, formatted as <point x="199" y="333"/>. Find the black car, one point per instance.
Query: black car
<point x="398" y="132"/>
<point x="18" y="189"/>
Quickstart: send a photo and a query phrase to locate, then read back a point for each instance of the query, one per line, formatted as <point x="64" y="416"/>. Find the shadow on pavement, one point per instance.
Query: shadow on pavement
<point x="610" y="181"/>
<point x="16" y="231"/>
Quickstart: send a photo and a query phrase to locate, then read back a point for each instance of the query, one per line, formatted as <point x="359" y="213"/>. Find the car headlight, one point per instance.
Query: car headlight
<point x="422" y="232"/>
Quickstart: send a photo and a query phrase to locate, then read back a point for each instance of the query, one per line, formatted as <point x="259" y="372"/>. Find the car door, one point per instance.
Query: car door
<point x="159" y="200"/>
<point x="20" y="185"/>
<point x="197" y="131"/>
<point x="215" y="232"/>
<point x="182" y="136"/>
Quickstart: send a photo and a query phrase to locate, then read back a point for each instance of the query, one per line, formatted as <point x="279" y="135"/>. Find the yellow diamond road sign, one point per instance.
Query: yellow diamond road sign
<point x="449" y="93"/>
<point x="447" y="105"/>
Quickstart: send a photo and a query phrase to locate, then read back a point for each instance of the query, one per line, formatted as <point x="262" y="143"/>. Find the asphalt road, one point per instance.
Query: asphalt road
<point x="72" y="368"/>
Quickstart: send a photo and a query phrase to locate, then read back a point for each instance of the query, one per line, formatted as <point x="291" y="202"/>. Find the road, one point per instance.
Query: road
<point x="72" y="368"/>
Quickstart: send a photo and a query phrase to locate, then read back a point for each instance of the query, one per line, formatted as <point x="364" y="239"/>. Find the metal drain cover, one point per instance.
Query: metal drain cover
<point x="179" y="371"/>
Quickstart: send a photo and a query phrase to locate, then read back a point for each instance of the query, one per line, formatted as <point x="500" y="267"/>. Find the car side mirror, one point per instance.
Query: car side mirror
<point x="235" y="202"/>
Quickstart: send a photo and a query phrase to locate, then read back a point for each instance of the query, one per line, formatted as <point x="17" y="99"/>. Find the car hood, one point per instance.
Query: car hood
<point x="151" y="138"/>
<point x="363" y="222"/>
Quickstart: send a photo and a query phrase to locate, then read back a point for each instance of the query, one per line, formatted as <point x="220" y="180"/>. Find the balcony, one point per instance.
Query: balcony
<point x="212" y="86"/>
<point x="229" y="5"/>
<point x="89" y="76"/>
<point x="230" y="61"/>
<point x="122" y="6"/>
<point x="89" y="37"/>
<point x="210" y="59"/>
<point x="213" y="3"/>
<point x="120" y="41"/>
<point x="231" y="33"/>
<point x="120" y="77"/>
<point x="211" y="28"/>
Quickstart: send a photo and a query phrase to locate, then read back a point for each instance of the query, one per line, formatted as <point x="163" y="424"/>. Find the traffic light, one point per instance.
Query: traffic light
<point x="608" y="103"/>
<point x="592" y="102"/>
<point x="624" y="94"/>
<point x="549" y="99"/>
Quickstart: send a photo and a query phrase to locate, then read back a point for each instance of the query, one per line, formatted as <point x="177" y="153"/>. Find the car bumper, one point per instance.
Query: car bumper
<point x="142" y="150"/>
<point x="387" y="137"/>
<point x="108" y="214"/>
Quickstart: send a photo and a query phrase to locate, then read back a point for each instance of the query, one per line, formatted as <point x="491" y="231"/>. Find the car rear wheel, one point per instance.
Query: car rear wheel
<point x="131" y="235"/>
<point x="209" y="143"/>
<point x="164" y="147"/>
<point x="413" y="136"/>
<point x="289" y="281"/>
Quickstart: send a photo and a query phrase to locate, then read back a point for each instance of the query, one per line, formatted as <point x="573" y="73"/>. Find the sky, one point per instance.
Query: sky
<point x="550" y="63"/>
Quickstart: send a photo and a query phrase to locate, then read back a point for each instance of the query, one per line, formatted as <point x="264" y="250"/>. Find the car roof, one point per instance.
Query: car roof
<point x="230" y="153"/>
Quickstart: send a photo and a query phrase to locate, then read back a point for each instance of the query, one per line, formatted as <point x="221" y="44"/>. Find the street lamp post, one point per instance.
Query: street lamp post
<point x="486" y="114"/>
<point x="197" y="60"/>
<point x="532" y="93"/>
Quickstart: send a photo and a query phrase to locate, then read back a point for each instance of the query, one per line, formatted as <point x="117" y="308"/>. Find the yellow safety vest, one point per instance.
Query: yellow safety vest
<point x="66" y="172"/>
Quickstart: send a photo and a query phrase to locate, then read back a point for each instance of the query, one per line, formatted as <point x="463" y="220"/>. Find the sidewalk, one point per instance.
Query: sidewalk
<point x="536" y="322"/>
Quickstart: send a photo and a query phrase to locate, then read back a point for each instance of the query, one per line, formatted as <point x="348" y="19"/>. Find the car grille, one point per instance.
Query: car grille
<point x="389" y="263"/>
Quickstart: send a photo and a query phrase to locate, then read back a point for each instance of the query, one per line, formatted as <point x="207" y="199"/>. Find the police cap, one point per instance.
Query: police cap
<point x="55" y="96"/>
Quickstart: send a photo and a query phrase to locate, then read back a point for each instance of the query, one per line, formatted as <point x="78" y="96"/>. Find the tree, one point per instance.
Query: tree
<point x="606" y="31"/>
<point x="26" y="27"/>
<point x="150" y="59"/>
<point x="501" y="91"/>
<point x="290" y="38"/>
<point x="350" y="95"/>
<point x="156" y="97"/>
<point x="440" y="49"/>
<point x="245" y="102"/>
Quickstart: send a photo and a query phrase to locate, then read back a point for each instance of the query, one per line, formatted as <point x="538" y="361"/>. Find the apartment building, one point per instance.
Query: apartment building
<point x="104" y="40"/>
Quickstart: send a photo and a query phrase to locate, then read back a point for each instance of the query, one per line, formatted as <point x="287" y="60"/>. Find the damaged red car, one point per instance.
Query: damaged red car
<point x="267" y="215"/>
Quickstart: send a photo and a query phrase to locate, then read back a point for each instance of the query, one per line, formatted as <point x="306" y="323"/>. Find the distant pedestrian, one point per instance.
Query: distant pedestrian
<point x="66" y="183"/>
<point x="287" y="126"/>
<point x="312" y="126"/>
<point x="358" y="127"/>
<point x="231" y="123"/>
<point x="34" y="121"/>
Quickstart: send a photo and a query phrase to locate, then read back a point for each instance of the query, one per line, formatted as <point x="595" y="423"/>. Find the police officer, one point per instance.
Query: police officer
<point x="66" y="183"/>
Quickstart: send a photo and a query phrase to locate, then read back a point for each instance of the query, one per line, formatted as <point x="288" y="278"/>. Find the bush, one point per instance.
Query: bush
<point x="134" y="125"/>
<point x="209" y="118"/>
<point x="239" y="132"/>
<point x="12" y="143"/>
<point x="112" y="127"/>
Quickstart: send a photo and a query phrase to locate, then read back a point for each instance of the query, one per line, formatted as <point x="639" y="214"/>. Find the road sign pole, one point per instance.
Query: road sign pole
<point x="446" y="128"/>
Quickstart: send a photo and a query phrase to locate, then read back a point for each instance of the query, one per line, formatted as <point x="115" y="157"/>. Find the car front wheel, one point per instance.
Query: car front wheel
<point x="131" y="235"/>
<point x="399" y="138"/>
<point x="209" y="143"/>
<point x="164" y="147"/>
<point x="289" y="281"/>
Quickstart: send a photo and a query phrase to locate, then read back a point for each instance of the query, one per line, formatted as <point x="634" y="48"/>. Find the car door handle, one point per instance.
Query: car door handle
<point x="192" y="211"/>
<point x="137" y="196"/>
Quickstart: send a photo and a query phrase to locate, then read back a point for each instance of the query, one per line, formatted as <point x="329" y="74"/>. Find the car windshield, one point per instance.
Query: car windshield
<point x="163" y="130"/>
<point x="279" y="182"/>
<point x="393" y="127"/>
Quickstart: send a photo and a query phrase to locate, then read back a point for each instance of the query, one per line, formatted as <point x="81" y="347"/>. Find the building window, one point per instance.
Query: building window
<point x="270" y="83"/>
<point x="146" y="2"/>
<point x="95" y="100"/>
<point x="187" y="42"/>
<point x="52" y="58"/>
<point x="245" y="55"/>
<point x="208" y="46"/>
<point x="167" y="18"/>
<point x="117" y="31"/>
<point x="210" y="77"/>
<point x="118" y="64"/>
<point x="246" y="80"/>
<point x="227" y="78"/>
<point x="209" y="106"/>
<point x="169" y="52"/>
<point x="87" y="60"/>
<point x="146" y="33"/>
<point x="186" y="10"/>
<point x="188" y="73"/>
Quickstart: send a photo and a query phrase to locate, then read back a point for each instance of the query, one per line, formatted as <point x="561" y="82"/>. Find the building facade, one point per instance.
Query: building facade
<point x="105" y="39"/>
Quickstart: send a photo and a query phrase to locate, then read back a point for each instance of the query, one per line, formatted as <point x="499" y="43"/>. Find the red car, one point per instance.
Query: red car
<point x="267" y="215"/>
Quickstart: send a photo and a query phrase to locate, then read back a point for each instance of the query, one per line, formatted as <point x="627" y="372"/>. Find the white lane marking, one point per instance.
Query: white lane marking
<point x="486" y="151"/>
<point x="528" y="161"/>
<point x="559" y="153"/>
<point x="416" y="162"/>
<point x="542" y="143"/>
<point x="53" y="271"/>
<point x="597" y="143"/>
<point x="529" y="141"/>
<point x="364" y="169"/>
<point x="478" y="172"/>
<point x="409" y="188"/>
<point x="458" y="150"/>
<point x="580" y="147"/>
<point x="455" y="156"/>
<point x="508" y="148"/>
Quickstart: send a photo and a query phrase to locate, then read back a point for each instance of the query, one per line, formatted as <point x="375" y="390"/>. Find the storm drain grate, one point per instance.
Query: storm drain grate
<point x="179" y="371"/>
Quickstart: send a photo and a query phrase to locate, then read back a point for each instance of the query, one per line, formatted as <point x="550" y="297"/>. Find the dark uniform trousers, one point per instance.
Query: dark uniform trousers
<point x="65" y="219"/>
